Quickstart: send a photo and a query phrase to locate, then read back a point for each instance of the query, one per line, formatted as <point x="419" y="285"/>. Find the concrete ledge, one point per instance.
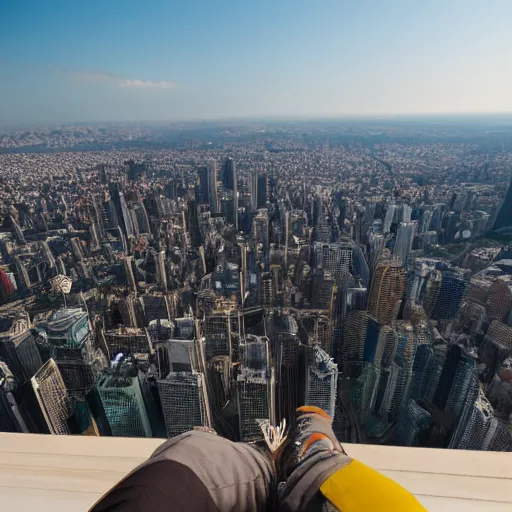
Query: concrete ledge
<point x="63" y="473"/>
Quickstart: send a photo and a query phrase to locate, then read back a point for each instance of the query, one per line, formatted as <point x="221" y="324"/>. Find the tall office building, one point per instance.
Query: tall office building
<point x="260" y="228"/>
<point x="389" y="218"/>
<point x="437" y="286"/>
<point x="359" y="337"/>
<point x="193" y="224"/>
<point x="184" y="402"/>
<point x="289" y="360"/>
<point x="336" y="258"/>
<point x="322" y="290"/>
<point x="127" y="341"/>
<point x="422" y="366"/>
<point x="216" y="330"/>
<point x="161" y="270"/>
<point x="23" y="279"/>
<point x="413" y="425"/>
<point x="229" y="175"/>
<point x="342" y="259"/>
<point x="262" y="191"/>
<point x="127" y="218"/>
<point x="203" y="192"/>
<point x="52" y="396"/>
<point x="181" y="356"/>
<point x="128" y="269"/>
<point x="504" y="217"/>
<point x="404" y="239"/>
<point x="496" y="346"/>
<point x="18" y="349"/>
<point x="445" y="292"/>
<point x="140" y="216"/>
<point x="67" y="327"/>
<point x="499" y="298"/>
<point x="266" y="292"/>
<point x="71" y="346"/>
<point x="387" y="290"/>
<point x="207" y="191"/>
<point x="213" y="197"/>
<point x="453" y="381"/>
<point x="254" y="388"/>
<point x="155" y="307"/>
<point x="376" y="243"/>
<point x="18" y="233"/>
<point x="353" y="337"/>
<point x="123" y="402"/>
<point x="254" y="181"/>
<point x="321" y="381"/>
<point x="11" y="419"/>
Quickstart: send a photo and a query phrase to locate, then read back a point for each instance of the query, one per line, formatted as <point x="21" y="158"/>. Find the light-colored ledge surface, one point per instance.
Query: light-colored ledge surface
<point x="69" y="473"/>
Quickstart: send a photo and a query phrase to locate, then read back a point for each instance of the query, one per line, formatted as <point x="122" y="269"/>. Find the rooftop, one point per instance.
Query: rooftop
<point x="62" y="473"/>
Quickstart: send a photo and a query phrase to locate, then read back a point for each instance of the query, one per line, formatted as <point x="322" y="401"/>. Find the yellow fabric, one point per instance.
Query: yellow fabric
<point x="359" y="488"/>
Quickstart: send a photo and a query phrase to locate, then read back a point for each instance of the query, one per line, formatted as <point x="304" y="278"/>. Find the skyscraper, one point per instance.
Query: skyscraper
<point x="124" y="406"/>
<point x="127" y="341"/>
<point x="445" y="292"/>
<point x="18" y="349"/>
<point x="11" y="419"/>
<point x="262" y="191"/>
<point x="413" y="422"/>
<point x="504" y="218"/>
<point x="404" y="239"/>
<point x="212" y="188"/>
<point x="289" y="360"/>
<point x="322" y="290"/>
<point x="254" y="388"/>
<point x="193" y="224"/>
<point x="342" y="259"/>
<point x="207" y="191"/>
<point x="230" y="182"/>
<point x="229" y="176"/>
<point x="389" y="218"/>
<point x="217" y="333"/>
<point x="321" y="381"/>
<point x="437" y="286"/>
<point x="254" y="189"/>
<point x="184" y="402"/>
<point x="260" y="228"/>
<point x="203" y="192"/>
<point x="388" y="286"/>
<point x="457" y="369"/>
<point x="52" y="396"/>
<point x="127" y="218"/>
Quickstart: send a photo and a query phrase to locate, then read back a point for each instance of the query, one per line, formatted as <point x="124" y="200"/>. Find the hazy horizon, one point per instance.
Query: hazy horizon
<point x="128" y="62"/>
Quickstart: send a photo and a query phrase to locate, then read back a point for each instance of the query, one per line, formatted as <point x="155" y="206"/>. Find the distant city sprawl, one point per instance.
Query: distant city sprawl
<point x="160" y="277"/>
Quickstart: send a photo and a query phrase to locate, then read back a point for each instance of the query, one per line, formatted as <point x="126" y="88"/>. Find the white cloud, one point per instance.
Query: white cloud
<point x="106" y="77"/>
<point x="146" y="84"/>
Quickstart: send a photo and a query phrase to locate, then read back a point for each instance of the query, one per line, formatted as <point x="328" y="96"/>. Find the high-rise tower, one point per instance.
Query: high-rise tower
<point x="230" y="182"/>
<point x="207" y="191"/>
<point x="184" y="402"/>
<point x="254" y="388"/>
<point x="321" y="381"/>
<point x="404" y="238"/>
<point x="504" y="218"/>
<point x="386" y="292"/>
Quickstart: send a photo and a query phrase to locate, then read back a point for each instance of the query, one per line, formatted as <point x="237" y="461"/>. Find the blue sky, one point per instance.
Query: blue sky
<point x="108" y="60"/>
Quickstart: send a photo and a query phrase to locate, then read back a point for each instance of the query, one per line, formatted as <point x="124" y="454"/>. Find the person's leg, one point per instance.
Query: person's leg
<point x="194" y="472"/>
<point x="319" y="475"/>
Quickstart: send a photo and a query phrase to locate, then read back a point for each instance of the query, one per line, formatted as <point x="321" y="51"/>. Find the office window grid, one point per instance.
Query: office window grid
<point x="253" y="405"/>
<point x="53" y="397"/>
<point x="182" y="396"/>
<point x="124" y="407"/>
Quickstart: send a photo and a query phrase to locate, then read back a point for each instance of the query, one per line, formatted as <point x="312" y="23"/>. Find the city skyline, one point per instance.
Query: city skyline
<point x="128" y="62"/>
